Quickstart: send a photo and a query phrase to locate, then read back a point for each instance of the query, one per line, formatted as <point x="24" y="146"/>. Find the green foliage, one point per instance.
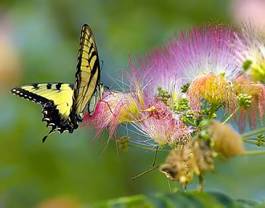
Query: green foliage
<point x="260" y="140"/>
<point x="179" y="200"/>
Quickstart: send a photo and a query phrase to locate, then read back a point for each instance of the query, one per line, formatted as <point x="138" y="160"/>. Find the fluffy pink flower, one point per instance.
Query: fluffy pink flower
<point x="256" y="111"/>
<point x="249" y="52"/>
<point x="193" y="58"/>
<point x="205" y="51"/>
<point x="113" y="109"/>
<point x="213" y="88"/>
<point x="199" y="52"/>
<point x="158" y="123"/>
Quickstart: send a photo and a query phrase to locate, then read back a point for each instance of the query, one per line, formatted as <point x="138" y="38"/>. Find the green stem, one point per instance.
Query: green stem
<point x="145" y="172"/>
<point x="231" y="115"/>
<point x="153" y="149"/>
<point x="251" y="142"/>
<point x="253" y="133"/>
<point x="254" y="153"/>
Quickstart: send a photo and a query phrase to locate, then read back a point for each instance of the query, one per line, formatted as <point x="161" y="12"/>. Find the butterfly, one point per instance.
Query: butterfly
<point x="63" y="104"/>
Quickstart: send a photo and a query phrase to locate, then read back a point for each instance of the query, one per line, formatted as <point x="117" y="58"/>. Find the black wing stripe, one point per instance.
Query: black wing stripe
<point x="93" y="71"/>
<point x="93" y="55"/>
<point x="85" y="92"/>
<point x="30" y="96"/>
<point x="35" y="86"/>
<point x="58" y="86"/>
<point x="96" y="64"/>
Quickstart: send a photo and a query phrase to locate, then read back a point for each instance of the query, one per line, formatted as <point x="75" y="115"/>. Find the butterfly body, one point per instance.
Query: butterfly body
<point x="63" y="104"/>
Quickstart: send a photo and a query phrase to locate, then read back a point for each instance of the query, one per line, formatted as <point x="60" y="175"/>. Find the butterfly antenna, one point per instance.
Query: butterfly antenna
<point x="44" y="138"/>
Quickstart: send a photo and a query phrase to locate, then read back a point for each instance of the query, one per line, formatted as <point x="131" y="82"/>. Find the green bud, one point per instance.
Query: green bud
<point x="246" y="65"/>
<point x="163" y="94"/>
<point x="189" y="118"/>
<point x="244" y="100"/>
<point x="181" y="105"/>
<point x="204" y="123"/>
<point x="185" y="88"/>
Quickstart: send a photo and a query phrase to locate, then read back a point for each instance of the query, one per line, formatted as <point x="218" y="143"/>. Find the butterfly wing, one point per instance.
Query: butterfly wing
<point x="56" y="100"/>
<point x="95" y="98"/>
<point x="88" y="71"/>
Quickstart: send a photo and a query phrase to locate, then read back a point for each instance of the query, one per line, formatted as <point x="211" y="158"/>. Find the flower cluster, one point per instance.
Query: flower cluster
<point x="182" y="96"/>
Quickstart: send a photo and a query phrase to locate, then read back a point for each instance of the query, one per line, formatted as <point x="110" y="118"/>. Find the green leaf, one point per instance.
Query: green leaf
<point x="179" y="200"/>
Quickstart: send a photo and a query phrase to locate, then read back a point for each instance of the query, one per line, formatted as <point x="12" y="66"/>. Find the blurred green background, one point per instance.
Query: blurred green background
<point x="39" y="42"/>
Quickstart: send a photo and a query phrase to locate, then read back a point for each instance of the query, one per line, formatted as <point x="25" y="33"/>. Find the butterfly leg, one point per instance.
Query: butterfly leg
<point x="155" y="157"/>
<point x="154" y="166"/>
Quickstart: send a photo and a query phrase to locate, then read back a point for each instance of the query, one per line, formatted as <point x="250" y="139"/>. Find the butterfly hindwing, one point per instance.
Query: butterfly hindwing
<point x="95" y="98"/>
<point x="88" y="70"/>
<point x="56" y="100"/>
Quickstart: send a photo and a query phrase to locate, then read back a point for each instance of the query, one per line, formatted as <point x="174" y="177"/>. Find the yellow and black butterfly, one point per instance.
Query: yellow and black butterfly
<point x="63" y="104"/>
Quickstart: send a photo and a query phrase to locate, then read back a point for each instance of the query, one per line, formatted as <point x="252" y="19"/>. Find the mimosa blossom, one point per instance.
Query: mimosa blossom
<point x="249" y="51"/>
<point x="205" y="51"/>
<point x="245" y="85"/>
<point x="159" y="124"/>
<point x="206" y="62"/>
<point x="113" y="109"/>
<point x="201" y="58"/>
<point x="213" y="88"/>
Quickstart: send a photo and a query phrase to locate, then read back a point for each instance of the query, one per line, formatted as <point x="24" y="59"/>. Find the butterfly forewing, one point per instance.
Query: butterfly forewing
<point x="88" y="70"/>
<point x="56" y="100"/>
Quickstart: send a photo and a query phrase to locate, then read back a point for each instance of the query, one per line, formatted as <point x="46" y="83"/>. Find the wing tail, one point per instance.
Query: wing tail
<point x="51" y="131"/>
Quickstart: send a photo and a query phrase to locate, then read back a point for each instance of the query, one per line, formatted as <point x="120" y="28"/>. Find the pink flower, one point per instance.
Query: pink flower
<point x="113" y="109"/>
<point x="205" y="51"/>
<point x="256" y="111"/>
<point x="249" y="52"/>
<point x="215" y="89"/>
<point x="158" y="123"/>
<point x="192" y="58"/>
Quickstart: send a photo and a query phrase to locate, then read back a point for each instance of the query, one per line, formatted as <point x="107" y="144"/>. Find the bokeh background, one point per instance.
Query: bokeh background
<point x="39" y="42"/>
